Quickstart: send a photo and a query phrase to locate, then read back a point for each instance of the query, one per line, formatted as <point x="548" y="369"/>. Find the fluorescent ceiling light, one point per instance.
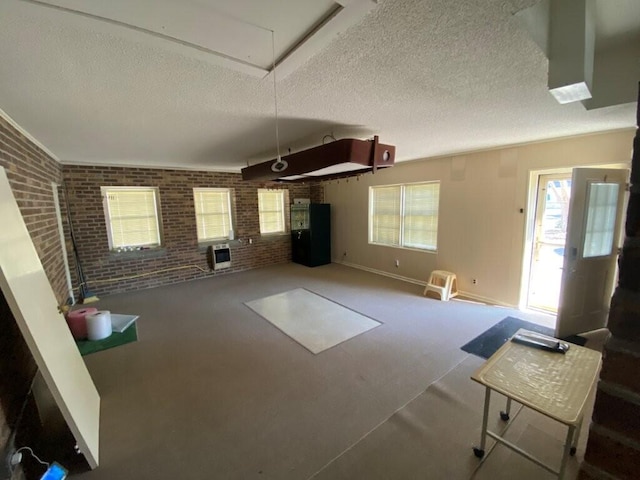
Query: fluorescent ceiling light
<point x="328" y="171"/>
<point x="345" y="157"/>
<point x="293" y="177"/>
<point x="340" y="168"/>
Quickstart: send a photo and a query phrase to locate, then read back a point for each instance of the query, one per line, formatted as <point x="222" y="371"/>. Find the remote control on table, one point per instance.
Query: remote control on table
<point x="543" y="342"/>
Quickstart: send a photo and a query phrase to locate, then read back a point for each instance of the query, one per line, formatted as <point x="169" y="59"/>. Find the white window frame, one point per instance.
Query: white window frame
<point x="227" y="212"/>
<point x="402" y="214"/>
<point x="155" y="216"/>
<point x="279" y="210"/>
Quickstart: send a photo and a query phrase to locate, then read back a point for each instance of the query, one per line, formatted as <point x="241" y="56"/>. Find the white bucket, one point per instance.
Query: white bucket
<point x="99" y="325"/>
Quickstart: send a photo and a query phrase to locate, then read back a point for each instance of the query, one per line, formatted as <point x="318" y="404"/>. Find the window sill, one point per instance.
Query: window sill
<point x="135" y="254"/>
<point x="267" y="236"/>
<point x="203" y="246"/>
<point x="400" y="247"/>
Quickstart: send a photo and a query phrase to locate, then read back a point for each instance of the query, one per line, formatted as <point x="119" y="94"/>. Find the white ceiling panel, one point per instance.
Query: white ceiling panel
<point x="239" y="30"/>
<point x="201" y="26"/>
<point x="432" y="77"/>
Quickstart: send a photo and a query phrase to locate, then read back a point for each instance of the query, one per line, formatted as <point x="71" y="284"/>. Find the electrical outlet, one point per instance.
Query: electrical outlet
<point x="397" y="263"/>
<point x="474" y="281"/>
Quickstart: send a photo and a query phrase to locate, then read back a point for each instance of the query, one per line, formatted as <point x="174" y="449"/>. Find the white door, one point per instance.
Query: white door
<point x="591" y="250"/>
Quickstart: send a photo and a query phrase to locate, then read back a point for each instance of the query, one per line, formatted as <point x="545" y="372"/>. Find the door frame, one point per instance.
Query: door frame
<point x="530" y="219"/>
<point x="63" y="243"/>
<point x="539" y="209"/>
<point x="530" y="225"/>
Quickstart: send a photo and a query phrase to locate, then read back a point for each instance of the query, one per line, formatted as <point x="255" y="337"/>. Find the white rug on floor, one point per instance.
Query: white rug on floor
<point x="311" y="320"/>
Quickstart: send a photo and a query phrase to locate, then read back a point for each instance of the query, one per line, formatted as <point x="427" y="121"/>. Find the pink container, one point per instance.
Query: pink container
<point x="77" y="322"/>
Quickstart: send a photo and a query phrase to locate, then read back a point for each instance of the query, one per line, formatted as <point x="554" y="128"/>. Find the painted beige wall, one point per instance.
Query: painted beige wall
<point x="481" y="230"/>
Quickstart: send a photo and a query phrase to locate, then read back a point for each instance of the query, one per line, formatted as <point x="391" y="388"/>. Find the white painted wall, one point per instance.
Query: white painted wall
<point x="481" y="230"/>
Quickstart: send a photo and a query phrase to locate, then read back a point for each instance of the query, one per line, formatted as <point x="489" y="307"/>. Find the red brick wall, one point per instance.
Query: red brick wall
<point x="613" y="449"/>
<point x="31" y="173"/>
<point x="317" y="193"/>
<point x="180" y="247"/>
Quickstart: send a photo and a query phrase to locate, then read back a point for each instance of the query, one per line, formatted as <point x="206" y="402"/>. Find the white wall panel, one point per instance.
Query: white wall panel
<point x="34" y="306"/>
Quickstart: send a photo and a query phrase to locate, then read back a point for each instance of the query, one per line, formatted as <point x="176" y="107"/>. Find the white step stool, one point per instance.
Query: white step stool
<point x="443" y="283"/>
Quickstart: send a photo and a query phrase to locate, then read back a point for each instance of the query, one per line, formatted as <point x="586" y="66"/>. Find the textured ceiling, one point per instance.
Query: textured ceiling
<point x="432" y="77"/>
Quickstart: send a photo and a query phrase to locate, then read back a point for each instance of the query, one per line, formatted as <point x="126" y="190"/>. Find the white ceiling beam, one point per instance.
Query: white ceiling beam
<point x="571" y="49"/>
<point x="346" y="14"/>
<point x="345" y="3"/>
<point x="205" y="34"/>
<point x="172" y="29"/>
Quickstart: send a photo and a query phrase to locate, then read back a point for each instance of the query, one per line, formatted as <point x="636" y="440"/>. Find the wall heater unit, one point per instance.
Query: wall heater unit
<point x="221" y="256"/>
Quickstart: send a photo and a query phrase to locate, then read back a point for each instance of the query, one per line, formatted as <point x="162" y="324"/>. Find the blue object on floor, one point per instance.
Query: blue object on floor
<point x="55" y="472"/>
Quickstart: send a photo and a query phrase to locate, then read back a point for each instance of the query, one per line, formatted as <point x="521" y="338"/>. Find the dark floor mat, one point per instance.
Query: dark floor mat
<point x="486" y="344"/>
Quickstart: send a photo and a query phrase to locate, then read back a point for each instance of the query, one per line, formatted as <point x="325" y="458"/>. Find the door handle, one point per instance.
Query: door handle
<point x="299" y="234"/>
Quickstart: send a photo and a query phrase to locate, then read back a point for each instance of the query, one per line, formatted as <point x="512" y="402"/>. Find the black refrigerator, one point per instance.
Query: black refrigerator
<point x="311" y="234"/>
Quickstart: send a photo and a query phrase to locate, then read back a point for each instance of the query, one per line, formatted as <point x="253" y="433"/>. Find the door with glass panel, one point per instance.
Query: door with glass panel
<point x="591" y="249"/>
<point x="550" y="232"/>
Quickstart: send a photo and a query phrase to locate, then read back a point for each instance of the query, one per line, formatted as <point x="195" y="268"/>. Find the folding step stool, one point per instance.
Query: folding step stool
<point x="443" y="283"/>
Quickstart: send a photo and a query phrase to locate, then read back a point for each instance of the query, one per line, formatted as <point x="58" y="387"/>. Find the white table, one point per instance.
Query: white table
<point x="553" y="384"/>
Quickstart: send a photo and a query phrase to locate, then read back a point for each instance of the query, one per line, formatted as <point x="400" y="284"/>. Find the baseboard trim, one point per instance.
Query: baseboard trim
<point x="471" y="296"/>
<point x="383" y="273"/>
<point x="487" y="300"/>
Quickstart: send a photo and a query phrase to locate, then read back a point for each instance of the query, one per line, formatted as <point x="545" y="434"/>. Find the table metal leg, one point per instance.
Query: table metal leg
<point x="567" y="449"/>
<point x="479" y="452"/>
<point x="576" y="437"/>
<point x="505" y="415"/>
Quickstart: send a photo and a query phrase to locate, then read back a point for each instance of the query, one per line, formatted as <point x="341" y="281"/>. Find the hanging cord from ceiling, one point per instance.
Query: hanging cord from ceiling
<point x="279" y="165"/>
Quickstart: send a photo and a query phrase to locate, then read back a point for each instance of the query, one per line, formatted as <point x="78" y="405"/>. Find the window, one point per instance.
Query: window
<point x="271" y="210"/>
<point x="404" y="215"/>
<point x="213" y="213"/>
<point x="601" y="219"/>
<point x="385" y="215"/>
<point x="132" y="217"/>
